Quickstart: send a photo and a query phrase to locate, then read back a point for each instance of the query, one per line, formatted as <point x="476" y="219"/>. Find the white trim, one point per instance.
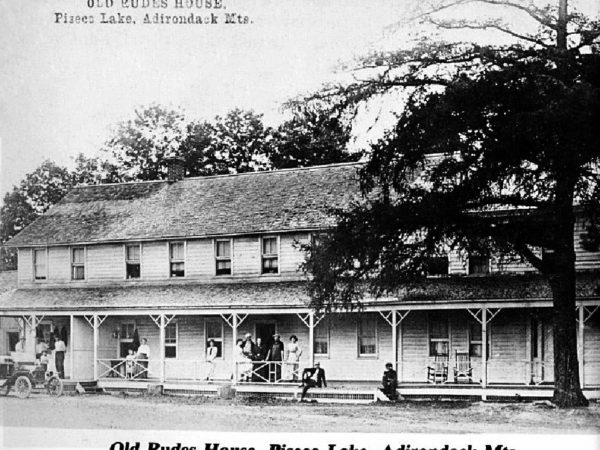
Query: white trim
<point x="33" y="260"/>
<point x="278" y="255"/>
<point x="131" y="244"/>
<point x="325" y="323"/>
<point x="220" y="321"/>
<point x="360" y="355"/>
<point x="176" y="345"/>
<point x="231" y="250"/>
<point x="176" y="261"/>
<point x="85" y="263"/>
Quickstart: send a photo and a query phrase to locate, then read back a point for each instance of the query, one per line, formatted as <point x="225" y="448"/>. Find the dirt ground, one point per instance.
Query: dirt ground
<point x="183" y="413"/>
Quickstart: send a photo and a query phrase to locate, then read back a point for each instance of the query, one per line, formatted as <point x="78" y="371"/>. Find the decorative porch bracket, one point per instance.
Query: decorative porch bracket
<point x="234" y="319"/>
<point x="479" y="315"/>
<point x="388" y="316"/>
<point x="305" y="318"/>
<point x="32" y="321"/>
<point x="162" y="320"/>
<point x="91" y="320"/>
<point x="588" y="312"/>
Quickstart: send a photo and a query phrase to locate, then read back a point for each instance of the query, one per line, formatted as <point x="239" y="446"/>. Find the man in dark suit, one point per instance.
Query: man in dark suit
<point x="312" y="377"/>
<point x="390" y="382"/>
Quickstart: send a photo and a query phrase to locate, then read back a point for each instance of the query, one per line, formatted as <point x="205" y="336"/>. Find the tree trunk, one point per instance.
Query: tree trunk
<point x="567" y="391"/>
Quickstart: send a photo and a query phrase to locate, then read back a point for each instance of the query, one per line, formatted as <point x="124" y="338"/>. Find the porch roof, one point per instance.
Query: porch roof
<point x="282" y="295"/>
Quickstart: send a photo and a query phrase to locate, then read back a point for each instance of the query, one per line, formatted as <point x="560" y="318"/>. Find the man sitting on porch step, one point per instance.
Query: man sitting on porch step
<point x="312" y="377"/>
<point x="390" y="382"/>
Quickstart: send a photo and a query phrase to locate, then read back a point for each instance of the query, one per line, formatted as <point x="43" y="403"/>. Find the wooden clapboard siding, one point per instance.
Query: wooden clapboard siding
<point x="105" y="262"/>
<point x="291" y="256"/>
<point x="415" y="347"/>
<point x="591" y="350"/>
<point x="246" y="256"/>
<point x="25" y="265"/>
<point x="155" y="260"/>
<point x="81" y="343"/>
<point x="508" y="347"/>
<point x="59" y="264"/>
<point x="200" y="258"/>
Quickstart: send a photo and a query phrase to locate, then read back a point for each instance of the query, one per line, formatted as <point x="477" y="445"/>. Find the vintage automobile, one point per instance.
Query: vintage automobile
<point x="24" y="378"/>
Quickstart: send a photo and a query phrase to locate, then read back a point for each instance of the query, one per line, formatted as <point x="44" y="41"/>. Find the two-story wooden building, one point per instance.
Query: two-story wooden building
<point x="185" y="261"/>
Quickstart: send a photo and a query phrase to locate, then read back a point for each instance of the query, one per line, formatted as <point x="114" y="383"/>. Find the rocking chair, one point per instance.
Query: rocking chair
<point x="463" y="372"/>
<point x="438" y="372"/>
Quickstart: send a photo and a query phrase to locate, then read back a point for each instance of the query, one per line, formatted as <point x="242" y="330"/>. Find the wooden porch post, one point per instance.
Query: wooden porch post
<point x="484" y="340"/>
<point x="96" y="336"/>
<point x="395" y="339"/>
<point x="161" y="327"/>
<point x="234" y="326"/>
<point x="71" y="348"/>
<point x="311" y="338"/>
<point x="580" y="347"/>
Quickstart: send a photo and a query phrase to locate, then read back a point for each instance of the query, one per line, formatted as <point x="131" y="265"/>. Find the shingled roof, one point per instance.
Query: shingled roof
<point x="256" y="202"/>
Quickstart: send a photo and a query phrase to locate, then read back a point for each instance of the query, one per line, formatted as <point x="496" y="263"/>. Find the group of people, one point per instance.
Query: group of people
<point x="259" y="361"/>
<point x="50" y="356"/>
<point x="136" y="362"/>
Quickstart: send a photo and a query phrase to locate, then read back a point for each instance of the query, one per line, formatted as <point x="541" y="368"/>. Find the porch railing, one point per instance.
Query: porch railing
<point x="136" y="369"/>
<point x="267" y="371"/>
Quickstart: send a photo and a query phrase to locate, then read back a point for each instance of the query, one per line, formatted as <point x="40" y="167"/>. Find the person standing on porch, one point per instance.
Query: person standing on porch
<point x="20" y="347"/>
<point x="293" y="352"/>
<point x="143" y="354"/>
<point x="59" y="355"/>
<point x="211" y="354"/>
<point x="261" y="374"/>
<point x="275" y="355"/>
<point x="129" y="364"/>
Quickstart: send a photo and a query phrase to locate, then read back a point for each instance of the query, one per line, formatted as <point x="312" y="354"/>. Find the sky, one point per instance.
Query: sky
<point x="63" y="87"/>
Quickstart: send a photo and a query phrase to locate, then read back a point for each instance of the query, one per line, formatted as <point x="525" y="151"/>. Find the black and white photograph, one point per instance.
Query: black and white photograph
<point x="300" y="224"/>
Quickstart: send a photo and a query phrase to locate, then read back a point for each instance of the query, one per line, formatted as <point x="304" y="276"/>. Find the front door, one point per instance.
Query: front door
<point x="541" y="351"/>
<point x="265" y="331"/>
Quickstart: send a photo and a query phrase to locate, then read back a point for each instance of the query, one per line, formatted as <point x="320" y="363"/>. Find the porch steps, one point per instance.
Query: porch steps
<point x="81" y="387"/>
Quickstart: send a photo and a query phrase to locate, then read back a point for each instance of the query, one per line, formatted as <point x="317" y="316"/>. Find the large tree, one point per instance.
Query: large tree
<point x="496" y="152"/>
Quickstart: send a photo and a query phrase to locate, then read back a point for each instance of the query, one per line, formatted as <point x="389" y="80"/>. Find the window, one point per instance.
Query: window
<point x="270" y="255"/>
<point x="78" y="263"/>
<point x="367" y="337"/>
<point x="436" y="266"/>
<point x="475" y="339"/>
<point x="479" y="265"/>
<point x="171" y="340"/>
<point x="132" y="261"/>
<point x="127" y="331"/>
<point x="12" y="339"/>
<point x="321" y="336"/>
<point x="126" y="338"/>
<point x="214" y="331"/>
<point x="177" y="259"/>
<point x="223" y="257"/>
<point x="40" y="268"/>
<point x="439" y="336"/>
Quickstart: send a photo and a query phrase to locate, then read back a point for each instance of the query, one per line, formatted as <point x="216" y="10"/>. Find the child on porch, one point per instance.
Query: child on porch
<point x="129" y="364"/>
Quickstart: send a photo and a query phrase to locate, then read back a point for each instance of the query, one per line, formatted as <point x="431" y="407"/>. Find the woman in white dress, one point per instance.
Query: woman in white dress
<point x="293" y="352"/>
<point x="244" y="364"/>
<point x="211" y="355"/>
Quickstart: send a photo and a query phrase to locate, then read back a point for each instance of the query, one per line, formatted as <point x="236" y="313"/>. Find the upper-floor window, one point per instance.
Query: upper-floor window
<point x="439" y="335"/>
<point x="171" y="340"/>
<point x="78" y="263"/>
<point x="176" y="259"/>
<point x="436" y="266"/>
<point x="479" y="265"/>
<point x="132" y="261"/>
<point x="223" y="257"/>
<point x="40" y="266"/>
<point x="270" y="255"/>
<point x="367" y="336"/>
